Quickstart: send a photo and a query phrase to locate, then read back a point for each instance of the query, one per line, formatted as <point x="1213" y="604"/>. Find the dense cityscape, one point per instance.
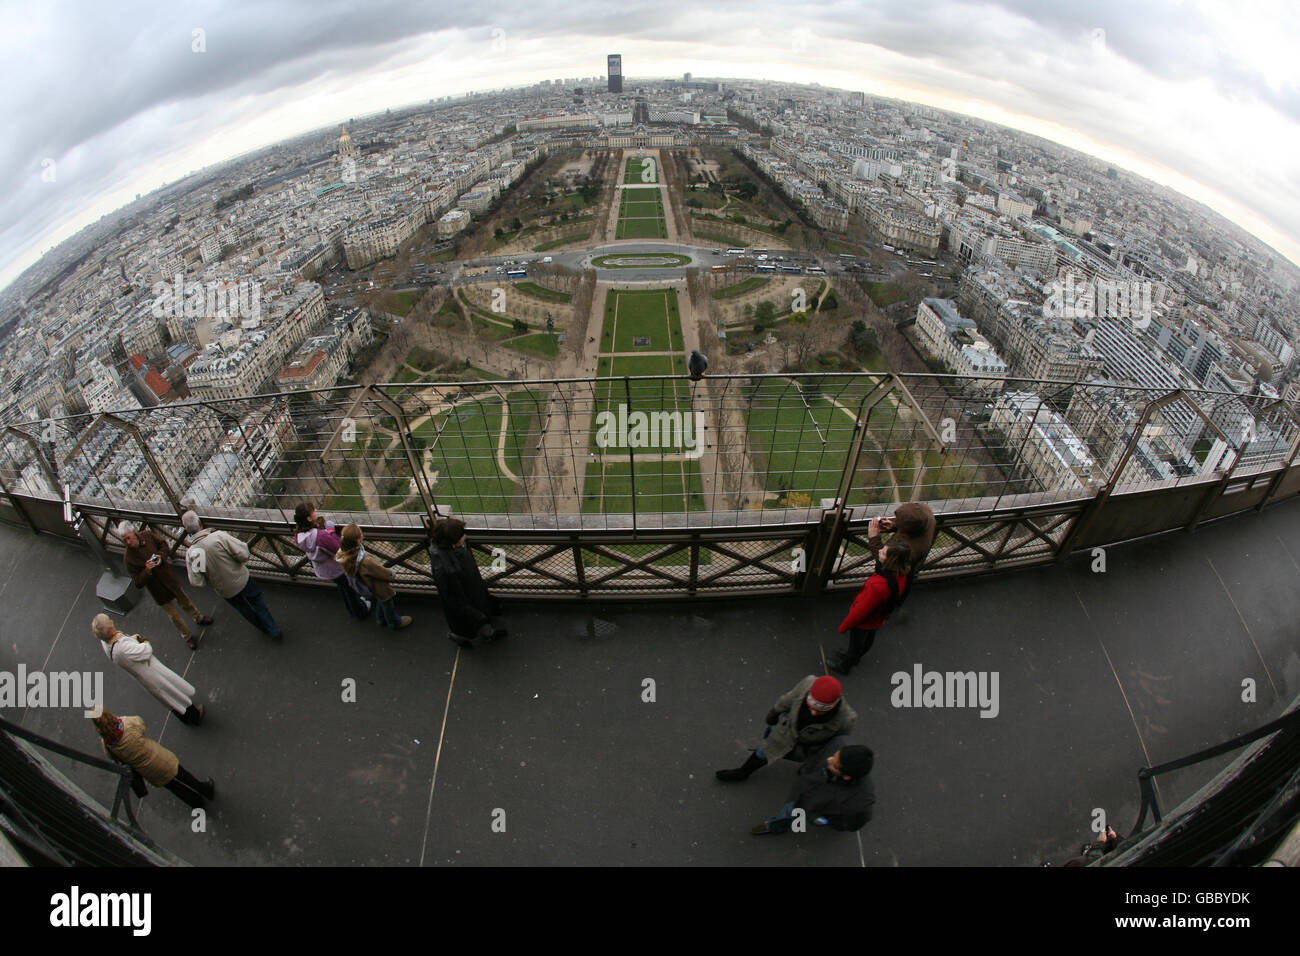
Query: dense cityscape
<point x="291" y="268"/>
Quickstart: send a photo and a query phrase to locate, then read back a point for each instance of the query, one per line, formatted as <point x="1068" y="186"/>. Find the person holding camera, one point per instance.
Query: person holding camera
<point x="913" y="523"/>
<point x="146" y="559"/>
<point x="320" y="542"/>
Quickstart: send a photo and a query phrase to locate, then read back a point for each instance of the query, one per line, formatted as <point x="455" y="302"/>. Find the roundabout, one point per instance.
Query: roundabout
<point x="641" y="260"/>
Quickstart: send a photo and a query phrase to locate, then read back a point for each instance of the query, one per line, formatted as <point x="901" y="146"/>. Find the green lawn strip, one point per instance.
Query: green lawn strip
<point x="660" y="487"/>
<point x="465" y="457"/>
<point x="784" y="438"/>
<point x="641" y="229"/>
<point x="496" y="331"/>
<point x="541" y="292"/>
<point x="740" y="288"/>
<point x="536" y="343"/>
<point x="883" y="293"/>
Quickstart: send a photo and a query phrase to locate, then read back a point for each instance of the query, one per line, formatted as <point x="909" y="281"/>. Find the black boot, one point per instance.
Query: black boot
<point x="742" y="772"/>
<point x="840" y="664"/>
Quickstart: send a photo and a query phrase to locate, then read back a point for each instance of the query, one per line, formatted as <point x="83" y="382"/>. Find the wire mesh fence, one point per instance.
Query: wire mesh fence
<point x="641" y="451"/>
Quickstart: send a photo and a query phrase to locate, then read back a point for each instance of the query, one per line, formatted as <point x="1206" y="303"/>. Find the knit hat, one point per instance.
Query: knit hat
<point x="824" y="694"/>
<point x="856" y="760"/>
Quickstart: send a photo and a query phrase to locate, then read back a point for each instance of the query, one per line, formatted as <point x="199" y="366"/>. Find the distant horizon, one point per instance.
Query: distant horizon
<point x="430" y="104"/>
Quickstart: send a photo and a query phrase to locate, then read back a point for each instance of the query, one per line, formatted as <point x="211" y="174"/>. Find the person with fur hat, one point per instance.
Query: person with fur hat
<point x="798" y="724"/>
<point x="913" y="524"/>
<point x="833" y="788"/>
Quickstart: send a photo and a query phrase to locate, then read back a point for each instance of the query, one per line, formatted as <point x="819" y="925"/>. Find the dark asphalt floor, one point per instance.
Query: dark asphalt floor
<point x="542" y="750"/>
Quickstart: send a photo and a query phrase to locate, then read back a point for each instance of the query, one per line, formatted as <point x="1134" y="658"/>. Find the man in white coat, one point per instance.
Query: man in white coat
<point x="134" y="654"/>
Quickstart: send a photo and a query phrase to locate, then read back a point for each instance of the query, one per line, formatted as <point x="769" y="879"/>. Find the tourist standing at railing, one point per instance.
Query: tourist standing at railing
<point x="220" y="559"/>
<point x="320" y="542"/>
<point x="367" y="570"/>
<point x="125" y="741"/>
<point x="874" y="603"/>
<point x="134" y="654"/>
<point x="913" y="523"/>
<point x="465" y="599"/>
<point x="146" y="560"/>
<point x="799" y="723"/>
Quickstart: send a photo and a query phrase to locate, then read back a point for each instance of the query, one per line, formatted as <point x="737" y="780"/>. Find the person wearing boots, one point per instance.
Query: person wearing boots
<point x="799" y="723"/>
<point x="124" y="740"/>
<point x="833" y="788"/>
<point x="465" y="599"/>
<point x="134" y="654"/>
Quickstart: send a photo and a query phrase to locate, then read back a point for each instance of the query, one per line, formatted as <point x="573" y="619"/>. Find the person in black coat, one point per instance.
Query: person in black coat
<point x="465" y="598"/>
<point x="833" y="788"/>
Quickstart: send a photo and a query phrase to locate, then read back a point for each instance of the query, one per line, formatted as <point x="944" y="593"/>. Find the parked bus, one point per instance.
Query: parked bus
<point x="735" y="252"/>
<point x="764" y="267"/>
<point x="816" y="271"/>
<point x="793" y="270"/>
<point x="721" y="269"/>
<point x="517" y="273"/>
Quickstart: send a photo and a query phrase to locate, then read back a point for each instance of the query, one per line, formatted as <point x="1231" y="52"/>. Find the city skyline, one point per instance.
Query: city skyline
<point x="200" y="99"/>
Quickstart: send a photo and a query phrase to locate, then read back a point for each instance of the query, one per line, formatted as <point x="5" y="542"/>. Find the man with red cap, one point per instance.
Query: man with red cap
<point x="800" y="723"/>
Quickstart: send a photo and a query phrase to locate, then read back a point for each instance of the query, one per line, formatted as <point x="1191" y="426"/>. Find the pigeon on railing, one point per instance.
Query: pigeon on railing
<point x="697" y="363"/>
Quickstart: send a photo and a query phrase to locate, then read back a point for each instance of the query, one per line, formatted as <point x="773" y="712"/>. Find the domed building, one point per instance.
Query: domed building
<point x="347" y="148"/>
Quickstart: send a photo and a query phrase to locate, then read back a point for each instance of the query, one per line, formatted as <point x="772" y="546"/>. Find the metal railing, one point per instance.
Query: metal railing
<point x="633" y="485"/>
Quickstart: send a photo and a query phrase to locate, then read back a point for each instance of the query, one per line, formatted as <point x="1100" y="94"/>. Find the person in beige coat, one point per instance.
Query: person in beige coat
<point x="220" y="559"/>
<point x="134" y="654"/>
<point x="124" y="740"/>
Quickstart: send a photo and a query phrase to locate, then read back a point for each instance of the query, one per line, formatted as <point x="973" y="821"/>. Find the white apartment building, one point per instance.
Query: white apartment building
<point x="1052" y="454"/>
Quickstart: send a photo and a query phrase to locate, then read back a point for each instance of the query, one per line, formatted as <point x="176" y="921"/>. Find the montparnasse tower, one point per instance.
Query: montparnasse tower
<point x="347" y="148"/>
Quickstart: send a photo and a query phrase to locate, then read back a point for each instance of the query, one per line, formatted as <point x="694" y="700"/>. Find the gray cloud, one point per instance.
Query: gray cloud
<point x="98" y="82"/>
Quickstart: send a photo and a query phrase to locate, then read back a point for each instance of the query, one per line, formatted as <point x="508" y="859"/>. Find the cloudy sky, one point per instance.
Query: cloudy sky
<point x="106" y="100"/>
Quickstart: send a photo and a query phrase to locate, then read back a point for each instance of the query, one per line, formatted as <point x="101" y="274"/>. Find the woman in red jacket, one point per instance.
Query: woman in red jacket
<point x="872" y="606"/>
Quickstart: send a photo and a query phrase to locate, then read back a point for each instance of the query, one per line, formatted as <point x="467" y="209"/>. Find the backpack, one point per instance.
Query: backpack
<point x="357" y="584"/>
<point x="896" y="598"/>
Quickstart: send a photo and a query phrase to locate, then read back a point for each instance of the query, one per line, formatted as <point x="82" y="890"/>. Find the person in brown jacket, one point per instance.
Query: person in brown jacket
<point x="146" y="560"/>
<point x="913" y="523"/>
<point x="125" y="741"/>
<point x="365" y="569"/>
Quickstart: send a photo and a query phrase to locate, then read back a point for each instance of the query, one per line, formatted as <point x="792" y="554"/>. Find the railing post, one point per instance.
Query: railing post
<point x="18" y="506"/>
<point x="631" y="453"/>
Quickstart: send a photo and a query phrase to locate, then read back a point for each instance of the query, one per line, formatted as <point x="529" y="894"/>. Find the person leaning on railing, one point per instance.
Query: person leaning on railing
<point x="875" y="602"/>
<point x="914" y="523"/>
<point x="465" y="599"/>
<point x="366" y="569"/>
<point x="320" y="542"/>
<point x="125" y="741"/>
<point x="220" y="559"/>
